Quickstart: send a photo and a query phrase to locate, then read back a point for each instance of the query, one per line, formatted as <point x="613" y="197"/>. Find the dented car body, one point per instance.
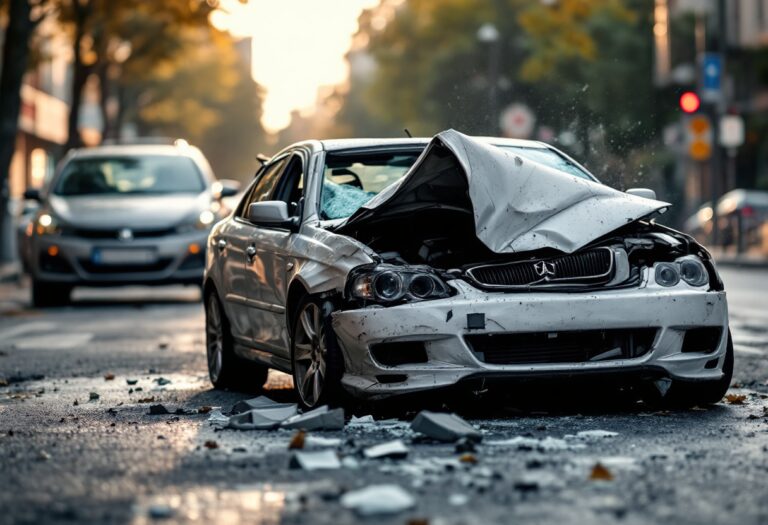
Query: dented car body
<point x="388" y="267"/>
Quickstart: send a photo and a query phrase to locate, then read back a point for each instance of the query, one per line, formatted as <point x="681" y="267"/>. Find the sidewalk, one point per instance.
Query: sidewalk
<point x="10" y="272"/>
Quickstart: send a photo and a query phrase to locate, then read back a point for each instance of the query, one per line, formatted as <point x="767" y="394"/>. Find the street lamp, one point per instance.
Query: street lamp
<point x="489" y="35"/>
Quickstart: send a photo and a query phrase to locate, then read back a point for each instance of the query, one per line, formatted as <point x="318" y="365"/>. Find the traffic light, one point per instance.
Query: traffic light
<point x="689" y="102"/>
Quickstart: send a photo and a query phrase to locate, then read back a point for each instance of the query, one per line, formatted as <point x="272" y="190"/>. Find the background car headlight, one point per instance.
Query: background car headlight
<point x="667" y="274"/>
<point x="692" y="271"/>
<point x="389" y="283"/>
<point x="46" y="224"/>
<point x="205" y="219"/>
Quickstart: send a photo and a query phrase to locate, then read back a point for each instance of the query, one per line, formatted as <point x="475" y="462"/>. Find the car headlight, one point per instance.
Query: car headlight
<point x="388" y="284"/>
<point x="692" y="271"/>
<point x="201" y="221"/>
<point x="46" y="224"/>
<point x="689" y="268"/>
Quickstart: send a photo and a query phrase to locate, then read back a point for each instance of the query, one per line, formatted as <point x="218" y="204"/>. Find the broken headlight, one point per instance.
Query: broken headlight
<point x="388" y="284"/>
<point x="689" y="268"/>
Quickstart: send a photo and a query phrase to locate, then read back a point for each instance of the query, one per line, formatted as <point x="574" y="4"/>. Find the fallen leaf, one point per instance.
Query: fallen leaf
<point x="297" y="441"/>
<point x="599" y="472"/>
<point x="109" y="377"/>
<point x="3" y="382"/>
<point x="204" y="409"/>
<point x="736" y="399"/>
<point x="146" y="399"/>
<point x="468" y="458"/>
<point x="211" y="444"/>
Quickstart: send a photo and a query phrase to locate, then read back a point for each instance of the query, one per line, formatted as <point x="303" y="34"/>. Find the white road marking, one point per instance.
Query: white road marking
<point x="21" y="329"/>
<point x="54" y="341"/>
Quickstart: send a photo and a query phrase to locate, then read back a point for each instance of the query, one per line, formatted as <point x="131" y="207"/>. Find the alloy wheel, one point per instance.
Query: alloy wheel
<point x="214" y="338"/>
<point x="310" y="353"/>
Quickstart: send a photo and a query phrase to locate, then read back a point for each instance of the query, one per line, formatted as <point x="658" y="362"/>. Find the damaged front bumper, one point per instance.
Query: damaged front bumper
<point x="680" y="332"/>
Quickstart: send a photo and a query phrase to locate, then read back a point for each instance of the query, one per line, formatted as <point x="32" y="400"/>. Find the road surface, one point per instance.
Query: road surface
<point x="77" y="446"/>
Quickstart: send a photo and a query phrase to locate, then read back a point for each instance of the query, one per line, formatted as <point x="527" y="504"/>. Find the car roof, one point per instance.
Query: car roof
<point x="365" y="143"/>
<point x="134" y="150"/>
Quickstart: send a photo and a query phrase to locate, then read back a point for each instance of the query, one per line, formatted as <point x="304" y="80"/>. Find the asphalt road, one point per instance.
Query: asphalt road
<point x="76" y="447"/>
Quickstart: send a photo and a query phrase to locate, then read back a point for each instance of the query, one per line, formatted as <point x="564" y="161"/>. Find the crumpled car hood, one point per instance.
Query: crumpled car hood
<point x="518" y="205"/>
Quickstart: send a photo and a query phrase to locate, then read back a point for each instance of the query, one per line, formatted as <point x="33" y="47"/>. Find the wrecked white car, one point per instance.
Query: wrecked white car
<point x="386" y="267"/>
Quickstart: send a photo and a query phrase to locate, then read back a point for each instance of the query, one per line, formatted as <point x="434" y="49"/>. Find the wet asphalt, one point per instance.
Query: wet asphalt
<point x="77" y="443"/>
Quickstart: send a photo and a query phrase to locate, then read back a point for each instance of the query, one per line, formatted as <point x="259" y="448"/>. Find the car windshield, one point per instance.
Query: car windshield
<point x="352" y="180"/>
<point x="150" y="174"/>
<point x="549" y="158"/>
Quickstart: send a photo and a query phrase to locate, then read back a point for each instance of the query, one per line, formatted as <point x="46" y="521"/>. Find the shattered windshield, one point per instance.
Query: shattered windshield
<point x="352" y="180"/>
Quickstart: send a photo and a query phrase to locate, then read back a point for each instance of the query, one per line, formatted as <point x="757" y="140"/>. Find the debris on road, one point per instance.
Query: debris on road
<point x="465" y="445"/>
<point x="321" y="418"/>
<point x="392" y="450"/>
<point x="211" y="444"/>
<point x="468" y="458"/>
<point x="315" y="460"/>
<point x="150" y="399"/>
<point x="204" y="409"/>
<point x="319" y="441"/>
<point x="547" y="444"/>
<point x="298" y="440"/>
<point x="600" y="473"/>
<point x="160" y="512"/>
<point x="131" y="382"/>
<point x="161" y="381"/>
<point x="378" y="500"/>
<point x="260" y="402"/>
<point x="458" y="500"/>
<point x="93" y="396"/>
<point x="217" y="418"/>
<point x="735" y="399"/>
<point x="444" y="427"/>
<point x="109" y="377"/>
<point x="262" y="418"/>
<point x="158" y="410"/>
<point x="595" y="434"/>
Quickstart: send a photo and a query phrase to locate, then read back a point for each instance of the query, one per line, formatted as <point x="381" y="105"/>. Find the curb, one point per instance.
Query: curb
<point x="10" y="272"/>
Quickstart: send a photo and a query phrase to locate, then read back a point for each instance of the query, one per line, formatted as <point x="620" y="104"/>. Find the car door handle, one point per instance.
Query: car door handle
<point x="221" y="245"/>
<point x="250" y="252"/>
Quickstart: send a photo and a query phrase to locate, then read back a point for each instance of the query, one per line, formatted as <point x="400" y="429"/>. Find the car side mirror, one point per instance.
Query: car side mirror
<point x="32" y="194"/>
<point x="270" y="213"/>
<point x="645" y="193"/>
<point x="226" y="188"/>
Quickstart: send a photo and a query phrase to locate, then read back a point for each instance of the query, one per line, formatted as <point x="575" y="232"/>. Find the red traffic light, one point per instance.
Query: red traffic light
<point x="689" y="102"/>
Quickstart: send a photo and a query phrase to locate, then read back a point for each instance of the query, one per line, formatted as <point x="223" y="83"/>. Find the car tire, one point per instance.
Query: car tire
<point x="46" y="294"/>
<point x="225" y="369"/>
<point x="316" y="358"/>
<point x="683" y="394"/>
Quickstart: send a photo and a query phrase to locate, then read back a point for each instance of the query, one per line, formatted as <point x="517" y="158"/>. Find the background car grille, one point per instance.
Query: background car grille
<point x="93" y="233"/>
<point x="561" y="347"/>
<point x="593" y="266"/>
<point x="159" y="266"/>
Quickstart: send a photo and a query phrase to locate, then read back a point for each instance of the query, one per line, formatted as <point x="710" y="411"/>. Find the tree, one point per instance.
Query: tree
<point x="23" y="18"/>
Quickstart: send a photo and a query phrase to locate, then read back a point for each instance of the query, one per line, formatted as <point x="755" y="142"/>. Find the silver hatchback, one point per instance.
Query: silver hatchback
<point x="123" y="214"/>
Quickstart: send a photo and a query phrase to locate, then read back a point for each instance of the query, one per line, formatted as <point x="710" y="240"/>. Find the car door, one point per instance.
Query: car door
<point x="232" y="243"/>
<point x="267" y="262"/>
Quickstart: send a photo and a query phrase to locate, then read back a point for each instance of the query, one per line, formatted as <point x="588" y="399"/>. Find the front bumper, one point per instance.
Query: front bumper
<point x="443" y="324"/>
<point x="73" y="262"/>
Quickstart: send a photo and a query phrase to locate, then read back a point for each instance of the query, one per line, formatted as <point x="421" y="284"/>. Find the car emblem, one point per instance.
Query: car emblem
<point x="544" y="268"/>
<point x="125" y="234"/>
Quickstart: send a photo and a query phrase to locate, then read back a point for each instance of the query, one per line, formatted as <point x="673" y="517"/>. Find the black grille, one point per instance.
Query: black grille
<point x="590" y="267"/>
<point x="561" y="347"/>
<point x="158" y="266"/>
<point x="93" y="233"/>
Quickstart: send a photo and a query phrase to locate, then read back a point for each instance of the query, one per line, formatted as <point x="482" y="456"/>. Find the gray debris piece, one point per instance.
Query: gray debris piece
<point x="315" y="460"/>
<point x="321" y="418"/>
<point x="444" y="427"/>
<point x="378" y="500"/>
<point x="258" y="403"/>
<point x="262" y="418"/>
<point x="131" y="382"/>
<point x="392" y="449"/>
<point x="217" y="418"/>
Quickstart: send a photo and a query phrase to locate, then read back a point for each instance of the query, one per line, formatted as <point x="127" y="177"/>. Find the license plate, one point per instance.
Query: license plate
<point x="123" y="256"/>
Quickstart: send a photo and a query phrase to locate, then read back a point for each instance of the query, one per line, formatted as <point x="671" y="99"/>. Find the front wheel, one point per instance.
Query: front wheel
<point x="318" y="364"/>
<point x="225" y="368"/>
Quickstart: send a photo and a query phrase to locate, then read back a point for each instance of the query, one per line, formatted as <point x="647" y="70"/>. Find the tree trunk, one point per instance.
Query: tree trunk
<point x="15" y="59"/>
<point x="80" y="74"/>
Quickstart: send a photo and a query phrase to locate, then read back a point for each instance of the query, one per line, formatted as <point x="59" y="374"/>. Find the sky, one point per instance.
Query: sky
<point x="298" y="46"/>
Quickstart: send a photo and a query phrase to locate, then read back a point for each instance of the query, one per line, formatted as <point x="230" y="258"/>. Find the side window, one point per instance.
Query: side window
<point x="262" y="188"/>
<point x="290" y="187"/>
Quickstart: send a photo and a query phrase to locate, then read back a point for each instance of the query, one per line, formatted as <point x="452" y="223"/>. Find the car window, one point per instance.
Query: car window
<point x="352" y="180"/>
<point x="150" y="174"/>
<point x="549" y="158"/>
<point x="263" y="186"/>
<point x="290" y="186"/>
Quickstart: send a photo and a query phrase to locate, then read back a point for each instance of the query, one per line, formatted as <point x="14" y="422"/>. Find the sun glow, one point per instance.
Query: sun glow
<point x="298" y="46"/>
